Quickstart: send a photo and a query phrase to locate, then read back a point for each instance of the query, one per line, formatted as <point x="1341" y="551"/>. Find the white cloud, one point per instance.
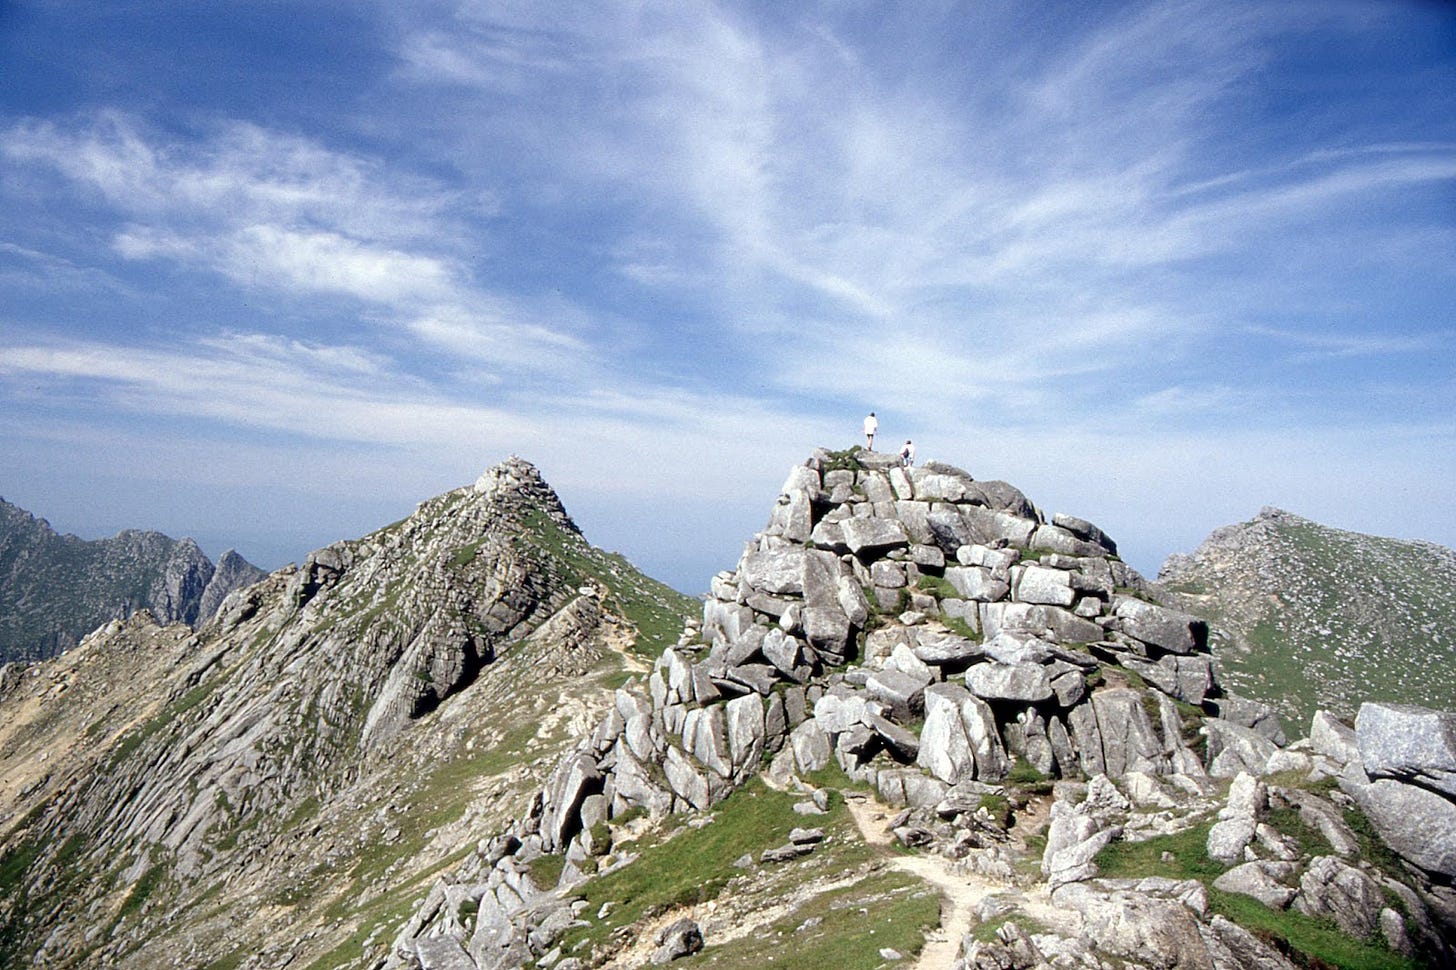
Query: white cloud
<point x="236" y="174"/>
<point x="330" y="263"/>
<point x="664" y="238"/>
<point x="490" y="331"/>
<point x="287" y="215"/>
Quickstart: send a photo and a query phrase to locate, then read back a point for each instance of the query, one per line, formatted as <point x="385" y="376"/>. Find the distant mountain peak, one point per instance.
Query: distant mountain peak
<point x="54" y="589"/>
<point x="1305" y="615"/>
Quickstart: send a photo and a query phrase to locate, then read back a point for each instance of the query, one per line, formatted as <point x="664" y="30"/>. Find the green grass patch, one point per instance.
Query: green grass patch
<point x="16" y="862"/>
<point x="959" y="627"/>
<point x="441" y="797"/>
<point x="1036" y="845"/>
<point x="844" y="460"/>
<point x="688" y="866"/>
<point x="1373" y="847"/>
<point x="832" y="777"/>
<point x="986" y="932"/>
<point x="1134" y="860"/>
<point x="1025" y="773"/>
<point x="231" y="961"/>
<point x="1288" y="822"/>
<point x="999" y="808"/>
<point x="655" y="610"/>
<point x="889" y="909"/>
<point x="142" y="890"/>
<point x="385" y="914"/>
<point x="601" y="838"/>
<point x="1135" y="681"/>
<point x="1318" y="941"/>
<point x="195" y="696"/>
<point x="546" y="870"/>
<point x="937" y="586"/>
<point x="1189" y="587"/>
<point x="465" y="555"/>
<point x="1297" y="778"/>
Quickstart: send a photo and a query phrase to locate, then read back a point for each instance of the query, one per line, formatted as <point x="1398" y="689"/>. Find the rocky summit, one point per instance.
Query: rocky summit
<point x="54" y="589"/>
<point x="274" y="785"/>
<point x="1305" y="616"/>
<point x="911" y="656"/>
<point x="921" y="723"/>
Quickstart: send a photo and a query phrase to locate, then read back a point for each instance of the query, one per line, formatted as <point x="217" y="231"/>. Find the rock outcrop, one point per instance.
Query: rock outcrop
<point x="1405" y="781"/>
<point x="926" y="633"/>
<point x="422" y="750"/>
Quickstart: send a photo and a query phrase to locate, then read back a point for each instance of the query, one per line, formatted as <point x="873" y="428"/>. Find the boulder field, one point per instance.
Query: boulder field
<point x="940" y="640"/>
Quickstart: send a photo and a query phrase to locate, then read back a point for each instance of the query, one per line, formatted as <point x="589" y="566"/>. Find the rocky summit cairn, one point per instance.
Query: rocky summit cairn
<point x="937" y="638"/>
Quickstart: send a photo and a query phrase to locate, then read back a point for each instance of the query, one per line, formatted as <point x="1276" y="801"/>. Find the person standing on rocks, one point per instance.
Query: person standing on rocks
<point x="907" y="454"/>
<point x="871" y="425"/>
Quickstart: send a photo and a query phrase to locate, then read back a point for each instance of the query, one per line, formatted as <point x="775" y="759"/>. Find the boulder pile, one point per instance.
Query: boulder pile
<point x="1403" y="777"/>
<point x="1285" y="840"/>
<point x="935" y="636"/>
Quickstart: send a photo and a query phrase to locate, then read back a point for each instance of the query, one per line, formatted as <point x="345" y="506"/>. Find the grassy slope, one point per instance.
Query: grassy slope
<point x="1339" y="619"/>
<point x="859" y="908"/>
<point x="655" y="609"/>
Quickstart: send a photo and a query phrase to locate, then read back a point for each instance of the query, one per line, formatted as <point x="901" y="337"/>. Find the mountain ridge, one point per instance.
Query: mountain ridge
<point x="1307" y="616"/>
<point x="829" y="663"/>
<point x="56" y="588"/>
<point x="471" y="740"/>
<point x="278" y="743"/>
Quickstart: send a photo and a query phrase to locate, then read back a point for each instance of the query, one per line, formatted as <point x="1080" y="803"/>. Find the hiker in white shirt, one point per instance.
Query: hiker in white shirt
<point x="871" y="425"/>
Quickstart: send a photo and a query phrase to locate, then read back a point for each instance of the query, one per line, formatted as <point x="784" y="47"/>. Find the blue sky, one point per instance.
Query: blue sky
<point x="271" y="273"/>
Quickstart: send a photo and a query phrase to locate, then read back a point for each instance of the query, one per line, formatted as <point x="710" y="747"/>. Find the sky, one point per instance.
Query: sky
<point x="272" y="273"/>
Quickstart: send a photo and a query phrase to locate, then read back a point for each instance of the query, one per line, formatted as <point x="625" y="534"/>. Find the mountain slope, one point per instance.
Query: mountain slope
<point x="910" y="656"/>
<point x="920" y="723"/>
<point x="292" y="769"/>
<point x="54" y="589"/>
<point x="1305" y="616"/>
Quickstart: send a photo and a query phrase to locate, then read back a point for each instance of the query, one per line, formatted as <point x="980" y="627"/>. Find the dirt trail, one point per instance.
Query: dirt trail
<point x="961" y="893"/>
<point x="620" y="637"/>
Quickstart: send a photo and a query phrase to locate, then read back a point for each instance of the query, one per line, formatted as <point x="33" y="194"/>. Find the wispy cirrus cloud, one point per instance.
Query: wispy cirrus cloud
<point x="1043" y="211"/>
<point x="286" y="215"/>
<point x="232" y="172"/>
<point x="658" y="439"/>
<point x="1338" y="345"/>
<point x="690" y="231"/>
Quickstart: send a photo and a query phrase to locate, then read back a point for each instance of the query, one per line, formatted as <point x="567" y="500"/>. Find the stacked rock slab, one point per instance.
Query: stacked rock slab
<point x="1404" y="779"/>
<point x="877" y="600"/>
<point x="1397" y="765"/>
<point x="1009" y="614"/>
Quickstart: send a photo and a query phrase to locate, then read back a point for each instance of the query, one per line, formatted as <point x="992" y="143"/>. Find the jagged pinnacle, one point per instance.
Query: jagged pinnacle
<point x="518" y="479"/>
